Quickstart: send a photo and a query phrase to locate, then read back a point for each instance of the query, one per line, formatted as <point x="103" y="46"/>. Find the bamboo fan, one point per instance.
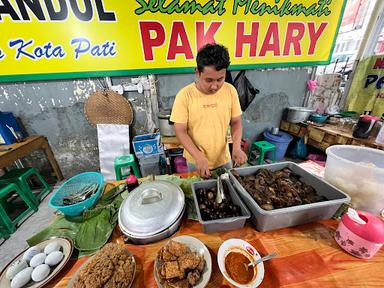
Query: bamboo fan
<point x="108" y="107"/>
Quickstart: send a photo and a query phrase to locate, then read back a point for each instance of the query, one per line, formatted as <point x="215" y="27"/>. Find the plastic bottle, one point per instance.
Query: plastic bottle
<point x="132" y="182"/>
<point x="380" y="135"/>
<point x="168" y="169"/>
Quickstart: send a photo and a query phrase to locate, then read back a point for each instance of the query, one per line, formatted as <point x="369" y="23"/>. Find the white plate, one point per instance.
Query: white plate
<point x="67" y="249"/>
<point x="195" y="245"/>
<point x="238" y="245"/>
<point x="77" y="273"/>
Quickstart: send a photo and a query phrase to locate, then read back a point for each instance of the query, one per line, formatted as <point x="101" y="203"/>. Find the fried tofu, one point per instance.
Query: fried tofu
<point x="179" y="267"/>
<point x="189" y="261"/>
<point x="165" y="255"/>
<point x="171" y="270"/>
<point x="177" y="248"/>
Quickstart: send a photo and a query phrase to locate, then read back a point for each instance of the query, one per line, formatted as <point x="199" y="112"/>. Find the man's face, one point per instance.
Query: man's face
<point x="210" y="80"/>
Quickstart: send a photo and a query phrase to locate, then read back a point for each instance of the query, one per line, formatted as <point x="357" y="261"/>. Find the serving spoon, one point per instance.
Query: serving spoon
<point x="262" y="259"/>
<point x="220" y="196"/>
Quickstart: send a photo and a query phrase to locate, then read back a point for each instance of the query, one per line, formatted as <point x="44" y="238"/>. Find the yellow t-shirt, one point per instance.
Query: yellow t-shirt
<point x="208" y="118"/>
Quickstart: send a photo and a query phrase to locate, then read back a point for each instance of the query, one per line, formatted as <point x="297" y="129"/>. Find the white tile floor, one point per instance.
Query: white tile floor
<point x="17" y="242"/>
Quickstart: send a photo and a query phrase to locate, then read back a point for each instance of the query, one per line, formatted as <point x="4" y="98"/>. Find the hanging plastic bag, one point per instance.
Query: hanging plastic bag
<point x="245" y="90"/>
<point x="300" y="149"/>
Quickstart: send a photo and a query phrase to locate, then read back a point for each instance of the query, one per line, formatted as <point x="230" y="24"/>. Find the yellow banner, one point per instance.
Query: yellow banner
<point x="367" y="88"/>
<point x="53" y="39"/>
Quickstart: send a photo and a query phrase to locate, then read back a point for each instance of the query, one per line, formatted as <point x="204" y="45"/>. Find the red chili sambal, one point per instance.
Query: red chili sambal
<point x="234" y="265"/>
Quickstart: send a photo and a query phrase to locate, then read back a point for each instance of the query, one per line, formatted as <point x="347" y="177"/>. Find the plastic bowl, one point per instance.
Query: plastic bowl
<point x="318" y="118"/>
<point x="72" y="186"/>
<point x="359" y="172"/>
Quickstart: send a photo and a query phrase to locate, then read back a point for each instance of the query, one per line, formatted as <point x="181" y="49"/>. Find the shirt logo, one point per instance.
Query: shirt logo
<point x="214" y="105"/>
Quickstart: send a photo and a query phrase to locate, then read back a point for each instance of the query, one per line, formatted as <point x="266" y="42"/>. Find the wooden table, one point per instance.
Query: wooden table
<point x="170" y="142"/>
<point x="22" y="149"/>
<point x="308" y="256"/>
<point x="327" y="135"/>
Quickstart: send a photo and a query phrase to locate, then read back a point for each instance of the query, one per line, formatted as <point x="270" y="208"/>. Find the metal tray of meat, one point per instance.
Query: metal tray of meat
<point x="224" y="224"/>
<point x="266" y="220"/>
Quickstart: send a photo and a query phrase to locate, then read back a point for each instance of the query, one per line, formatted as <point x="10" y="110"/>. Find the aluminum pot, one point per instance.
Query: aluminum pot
<point x="152" y="211"/>
<point x="156" y="237"/>
<point x="298" y="114"/>
<point x="167" y="127"/>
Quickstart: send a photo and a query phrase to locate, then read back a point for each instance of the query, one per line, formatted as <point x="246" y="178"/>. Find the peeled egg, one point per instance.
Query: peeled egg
<point x="53" y="246"/>
<point x="22" y="278"/>
<point x="37" y="260"/>
<point x="54" y="258"/>
<point x="40" y="272"/>
<point x="28" y="255"/>
<point x="15" y="268"/>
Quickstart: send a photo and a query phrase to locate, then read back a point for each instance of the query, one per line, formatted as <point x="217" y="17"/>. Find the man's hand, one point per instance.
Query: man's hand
<point x="202" y="167"/>
<point x="239" y="157"/>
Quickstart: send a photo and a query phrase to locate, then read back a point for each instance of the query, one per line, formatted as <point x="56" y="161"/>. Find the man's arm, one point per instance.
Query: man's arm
<point x="238" y="155"/>
<point x="200" y="159"/>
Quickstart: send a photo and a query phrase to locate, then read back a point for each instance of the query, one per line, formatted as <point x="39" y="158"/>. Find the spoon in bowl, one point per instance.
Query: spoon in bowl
<point x="262" y="259"/>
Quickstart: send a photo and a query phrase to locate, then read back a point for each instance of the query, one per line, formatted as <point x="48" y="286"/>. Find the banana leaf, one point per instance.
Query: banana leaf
<point x="60" y="227"/>
<point x="186" y="185"/>
<point x="91" y="230"/>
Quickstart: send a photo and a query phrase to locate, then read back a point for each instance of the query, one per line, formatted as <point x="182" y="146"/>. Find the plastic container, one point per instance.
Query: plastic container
<point x="8" y="120"/>
<point x="318" y="118"/>
<point x="150" y="165"/>
<point x="359" y="172"/>
<point x="73" y="185"/>
<point x="380" y="135"/>
<point x="226" y="224"/>
<point x="296" y="215"/>
<point x="281" y="142"/>
<point x="180" y="165"/>
<point x="360" y="240"/>
<point x="147" y="145"/>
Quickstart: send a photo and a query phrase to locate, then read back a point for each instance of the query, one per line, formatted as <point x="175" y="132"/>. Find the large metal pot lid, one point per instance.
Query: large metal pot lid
<point x="164" y="115"/>
<point x="151" y="208"/>
<point x="301" y="109"/>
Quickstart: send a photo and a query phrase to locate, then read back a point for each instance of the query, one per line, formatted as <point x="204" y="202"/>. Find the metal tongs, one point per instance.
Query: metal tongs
<point x="85" y="192"/>
<point x="220" y="196"/>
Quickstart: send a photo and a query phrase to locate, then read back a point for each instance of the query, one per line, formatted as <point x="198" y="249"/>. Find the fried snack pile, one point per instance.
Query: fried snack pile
<point x="111" y="267"/>
<point x="179" y="267"/>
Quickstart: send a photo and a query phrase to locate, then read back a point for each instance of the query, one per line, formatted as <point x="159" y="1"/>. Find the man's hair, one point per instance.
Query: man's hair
<point x="212" y="55"/>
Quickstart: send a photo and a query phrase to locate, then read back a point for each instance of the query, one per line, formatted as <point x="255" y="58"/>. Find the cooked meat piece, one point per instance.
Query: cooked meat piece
<point x="177" y="248"/>
<point x="193" y="277"/>
<point x="201" y="265"/>
<point x="273" y="190"/>
<point x="267" y="207"/>
<point x="189" y="261"/>
<point x="172" y="270"/>
<point x="178" y="284"/>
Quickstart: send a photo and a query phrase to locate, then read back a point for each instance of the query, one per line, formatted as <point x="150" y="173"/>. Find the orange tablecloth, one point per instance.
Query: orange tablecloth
<point x="308" y="256"/>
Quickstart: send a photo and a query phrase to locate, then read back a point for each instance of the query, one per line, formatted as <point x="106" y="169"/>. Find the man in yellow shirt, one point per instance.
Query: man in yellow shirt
<point x="203" y="111"/>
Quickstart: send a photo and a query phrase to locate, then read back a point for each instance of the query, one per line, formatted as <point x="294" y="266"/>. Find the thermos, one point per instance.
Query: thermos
<point x="364" y="126"/>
